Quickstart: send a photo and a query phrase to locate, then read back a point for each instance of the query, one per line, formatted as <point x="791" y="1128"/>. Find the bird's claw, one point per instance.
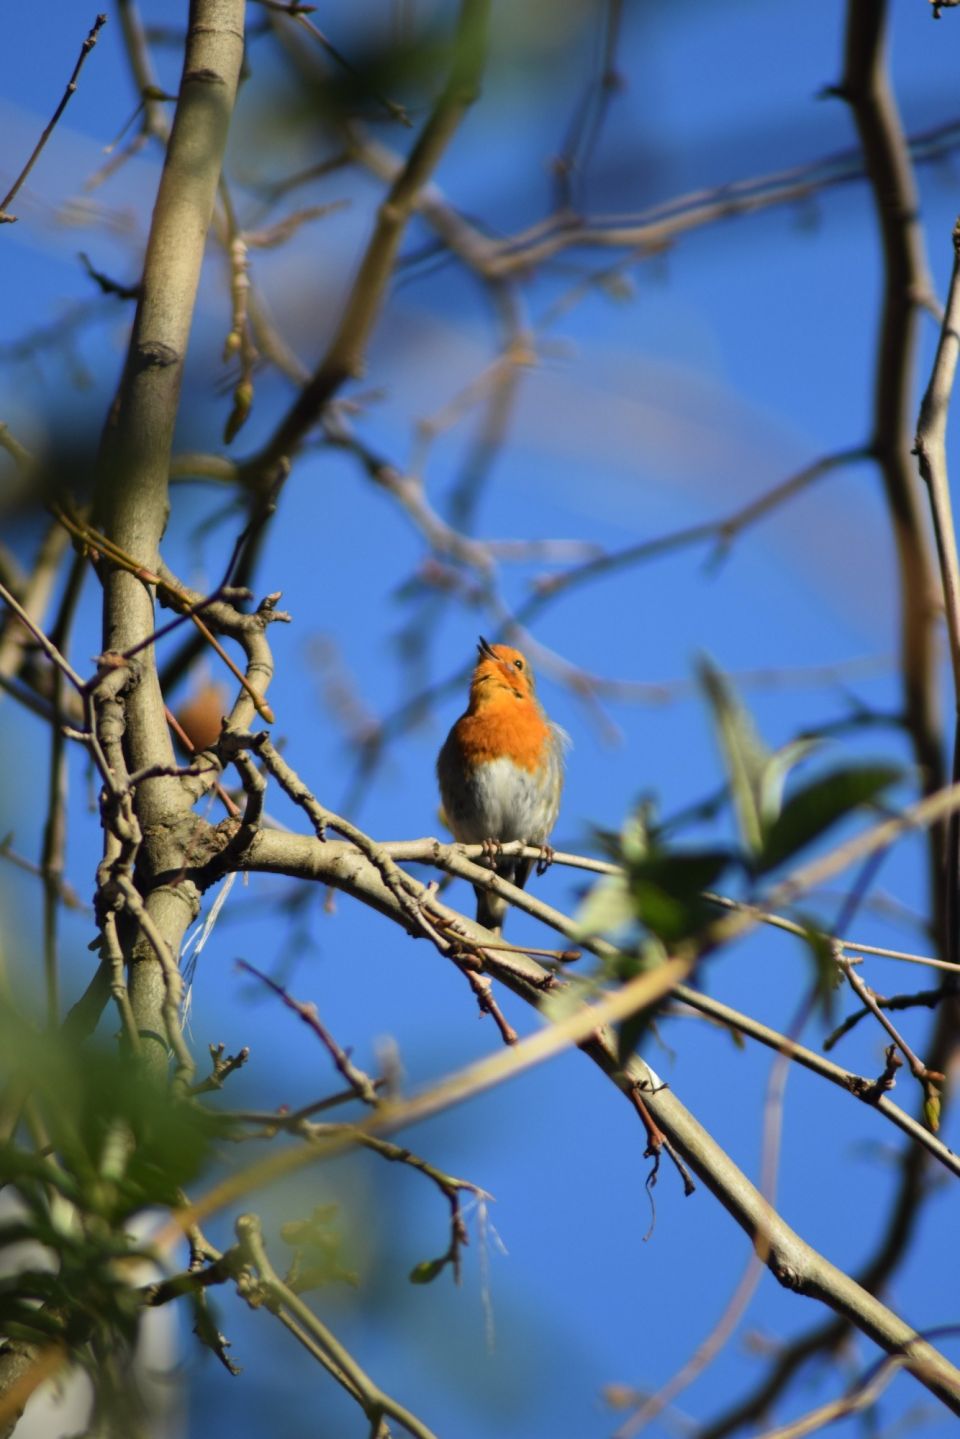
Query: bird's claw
<point x="492" y="850"/>
<point x="545" y="860"/>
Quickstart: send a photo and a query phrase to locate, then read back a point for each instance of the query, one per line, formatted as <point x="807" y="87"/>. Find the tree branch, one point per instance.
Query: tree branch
<point x="135" y="458"/>
<point x="793" y="1263"/>
<point x="866" y="87"/>
<point x="931" y="448"/>
<point x="345" y="354"/>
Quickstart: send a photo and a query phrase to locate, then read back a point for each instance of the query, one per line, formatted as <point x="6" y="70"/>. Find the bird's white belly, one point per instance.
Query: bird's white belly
<point x="502" y="801"/>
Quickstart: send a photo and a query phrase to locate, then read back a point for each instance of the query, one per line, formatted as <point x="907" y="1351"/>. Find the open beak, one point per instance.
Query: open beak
<point x="485" y="649"/>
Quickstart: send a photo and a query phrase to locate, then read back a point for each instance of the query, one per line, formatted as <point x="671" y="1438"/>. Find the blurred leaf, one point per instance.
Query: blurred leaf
<point x="662" y="891"/>
<point x="607" y="841"/>
<point x="317" y="1246"/>
<point x="745" y="756"/>
<point x="700" y="812"/>
<point x="608" y="908"/>
<point x="26" y="1283"/>
<point x="632" y="1030"/>
<point x="636" y="832"/>
<point x="558" y="1004"/>
<point x="810" y="811"/>
<point x="775" y="772"/>
<point x="299" y="1232"/>
<point x="375" y="82"/>
<point x="632" y="841"/>
<point x="664" y="915"/>
<point x="667" y="891"/>
<point x="123" y="1142"/>
<point x="628" y="963"/>
<point x="617" y="286"/>
<point x="29" y="1324"/>
<point x="683" y="873"/>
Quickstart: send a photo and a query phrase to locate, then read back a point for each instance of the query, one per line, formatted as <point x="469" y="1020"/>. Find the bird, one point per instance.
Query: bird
<point x="500" y="770"/>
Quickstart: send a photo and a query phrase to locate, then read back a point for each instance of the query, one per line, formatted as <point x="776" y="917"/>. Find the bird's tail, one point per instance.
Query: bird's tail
<point x="491" y="908"/>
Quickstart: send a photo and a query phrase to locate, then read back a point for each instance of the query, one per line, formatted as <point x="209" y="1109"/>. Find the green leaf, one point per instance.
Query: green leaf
<point x="811" y="811"/>
<point x="667" y="891"/>
<point x="662" y="892"/>
<point x="745" y="756"/>
<point x="607" y="841"/>
<point x="316" y="1245"/>
<point x="775" y="772"/>
<point x="666" y="916"/>
<point x="558" y="1004"/>
<point x="700" y="812"/>
<point x="607" y="908"/>
<point x="632" y="841"/>
<point x="628" y="963"/>
<point x="123" y="1142"/>
<point x="632" y="1030"/>
<point x="300" y="1232"/>
<point x="682" y="872"/>
<point x="636" y="832"/>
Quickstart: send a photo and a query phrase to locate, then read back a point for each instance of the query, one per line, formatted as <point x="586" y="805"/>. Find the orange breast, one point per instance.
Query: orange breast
<point x="513" y="729"/>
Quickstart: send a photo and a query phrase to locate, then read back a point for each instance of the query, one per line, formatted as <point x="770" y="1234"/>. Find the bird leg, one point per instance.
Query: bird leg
<point x="547" y="853"/>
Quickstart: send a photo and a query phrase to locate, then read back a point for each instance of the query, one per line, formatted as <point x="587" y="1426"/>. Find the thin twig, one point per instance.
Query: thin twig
<point x="931" y="449"/>
<point x="518" y="971"/>
<point x="231" y="807"/>
<point x="917" y="1068"/>
<point x="178" y="595"/>
<point x="85" y="49"/>
<point x="323" y="819"/>
<point x="277" y="1295"/>
<point x="863" y="1396"/>
<point x="223" y="1065"/>
<point x="66" y="893"/>
<point x="473" y="1079"/>
<point x="345" y="353"/>
<point x="866" y="87"/>
<point x="649" y="232"/>
<point x="299" y="13"/>
<point x="48" y="647"/>
<point x="924" y="998"/>
<point x="360" y="1083"/>
<point x="720" y="532"/>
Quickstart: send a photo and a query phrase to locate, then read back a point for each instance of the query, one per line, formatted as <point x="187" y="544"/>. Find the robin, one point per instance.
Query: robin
<point x="501" y="770"/>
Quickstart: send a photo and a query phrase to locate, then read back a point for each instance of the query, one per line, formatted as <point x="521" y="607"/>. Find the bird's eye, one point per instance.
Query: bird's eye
<point x="519" y="664"/>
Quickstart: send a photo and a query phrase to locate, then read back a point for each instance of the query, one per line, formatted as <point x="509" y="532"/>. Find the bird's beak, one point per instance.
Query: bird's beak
<point x="485" y="649"/>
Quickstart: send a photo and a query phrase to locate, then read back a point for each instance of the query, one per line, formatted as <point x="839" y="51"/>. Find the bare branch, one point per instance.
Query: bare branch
<point x="866" y="87"/>
<point x="337" y="1360"/>
<point x="85" y="49"/>
<point x="135" y="458"/>
<point x="345" y="354"/>
<point x="925" y="999"/>
<point x="931" y="449"/>
<point x="360" y="1083"/>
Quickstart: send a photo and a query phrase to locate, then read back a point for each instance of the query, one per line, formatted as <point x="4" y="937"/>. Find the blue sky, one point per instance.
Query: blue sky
<point x="741" y="355"/>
